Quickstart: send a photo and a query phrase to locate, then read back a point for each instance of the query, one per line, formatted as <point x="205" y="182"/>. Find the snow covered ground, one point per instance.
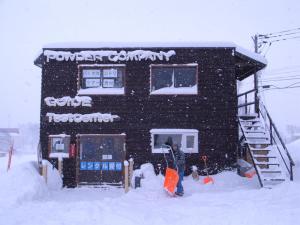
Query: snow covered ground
<point x="25" y="199"/>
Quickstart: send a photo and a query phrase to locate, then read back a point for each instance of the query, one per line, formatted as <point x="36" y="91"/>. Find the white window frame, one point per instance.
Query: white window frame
<point x="100" y="90"/>
<point x="183" y="132"/>
<point x="59" y="154"/>
<point x="179" y="90"/>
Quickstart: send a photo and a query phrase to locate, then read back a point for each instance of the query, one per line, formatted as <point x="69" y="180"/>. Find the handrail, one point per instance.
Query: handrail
<point x="245" y="93"/>
<point x="273" y="127"/>
<point x="274" y="133"/>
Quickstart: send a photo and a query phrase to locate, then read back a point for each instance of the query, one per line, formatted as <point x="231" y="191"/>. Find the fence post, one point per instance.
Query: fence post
<point x="60" y="166"/>
<point x="45" y="170"/>
<point x="126" y="182"/>
<point x="10" y="152"/>
<point x="131" y="162"/>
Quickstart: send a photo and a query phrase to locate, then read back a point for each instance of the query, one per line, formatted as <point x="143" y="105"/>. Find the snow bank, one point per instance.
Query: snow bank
<point x="23" y="183"/>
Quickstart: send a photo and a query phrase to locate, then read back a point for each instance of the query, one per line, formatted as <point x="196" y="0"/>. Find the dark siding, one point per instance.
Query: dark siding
<point x="212" y="111"/>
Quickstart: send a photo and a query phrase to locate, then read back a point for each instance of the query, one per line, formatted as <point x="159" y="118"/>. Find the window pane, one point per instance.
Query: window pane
<point x="60" y="145"/>
<point x="190" y="141"/>
<point x="102" y="77"/>
<point x="90" y="73"/>
<point x="161" y="77"/>
<point x="113" y="78"/>
<point x="89" y="83"/>
<point x="185" y="76"/>
<point x="161" y="139"/>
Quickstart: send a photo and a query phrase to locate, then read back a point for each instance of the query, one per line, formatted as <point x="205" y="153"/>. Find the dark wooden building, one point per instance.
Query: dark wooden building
<point x="102" y="103"/>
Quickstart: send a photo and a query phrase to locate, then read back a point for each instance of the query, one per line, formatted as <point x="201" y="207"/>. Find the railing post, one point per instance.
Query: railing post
<point x="246" y="106"/>
<point x="131" y="162"/>
<point x="291" y="168"/>
<point x="126" y="181"/>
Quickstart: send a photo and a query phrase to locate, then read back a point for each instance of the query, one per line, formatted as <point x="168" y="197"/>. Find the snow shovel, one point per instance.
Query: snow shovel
<point x="171" y="176"/>
<point x="207" y="179"/>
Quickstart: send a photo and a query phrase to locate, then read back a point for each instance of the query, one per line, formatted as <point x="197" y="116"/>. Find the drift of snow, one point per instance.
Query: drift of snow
<point x="26" y="200"/>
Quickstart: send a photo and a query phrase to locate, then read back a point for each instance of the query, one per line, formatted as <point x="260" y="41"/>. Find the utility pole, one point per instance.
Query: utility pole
<point x="256" y="105"/>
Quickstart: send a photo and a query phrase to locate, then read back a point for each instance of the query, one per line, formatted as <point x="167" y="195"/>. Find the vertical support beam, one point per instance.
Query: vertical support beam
<point x="131" y="162"/>
<point x="60" y="166"/>
<point x="126" y="180"/>
<point x="255" y="39"/>
<point x="45" y="171"/>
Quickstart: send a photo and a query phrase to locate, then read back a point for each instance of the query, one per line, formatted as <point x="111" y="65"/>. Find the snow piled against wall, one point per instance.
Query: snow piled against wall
<point x="22" y="183"/>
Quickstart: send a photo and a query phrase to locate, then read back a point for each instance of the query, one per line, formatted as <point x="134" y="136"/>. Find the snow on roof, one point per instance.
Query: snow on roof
<point x="96" y="45"/>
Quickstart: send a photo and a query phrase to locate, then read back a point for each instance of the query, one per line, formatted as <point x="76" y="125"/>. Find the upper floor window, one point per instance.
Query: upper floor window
<point x="174" y="79"/>
<point x="101" y="79"/>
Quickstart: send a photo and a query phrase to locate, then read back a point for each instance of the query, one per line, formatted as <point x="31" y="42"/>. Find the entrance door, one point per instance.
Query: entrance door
<point x="101" y="159"/>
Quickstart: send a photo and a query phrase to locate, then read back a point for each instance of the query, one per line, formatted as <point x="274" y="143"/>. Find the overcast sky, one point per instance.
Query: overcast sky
<point x="25" y="26"/>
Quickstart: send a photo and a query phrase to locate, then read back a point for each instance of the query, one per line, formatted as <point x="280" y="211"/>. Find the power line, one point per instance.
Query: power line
<point x="283" y="39"/>
<point x="272" y="80"/>
<point x="279" y="32"/>
<point x="279" y="35"/>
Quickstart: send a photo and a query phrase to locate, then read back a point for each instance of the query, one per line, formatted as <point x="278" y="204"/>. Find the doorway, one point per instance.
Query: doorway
<point x="100" y="159"/>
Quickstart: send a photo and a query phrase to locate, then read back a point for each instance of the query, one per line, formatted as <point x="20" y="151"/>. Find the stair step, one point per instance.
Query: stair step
<point x="253" y="126"/>
<point x="270" y="171"/>
<point x="255" y="131"/>
<point x="273" y="179"/>
<point x="257" y="141"/>
<point x="248" y="115"/>
<point x="267" y="164"/>
<point x="265" y="160"/>
<point x="255" y="120"/>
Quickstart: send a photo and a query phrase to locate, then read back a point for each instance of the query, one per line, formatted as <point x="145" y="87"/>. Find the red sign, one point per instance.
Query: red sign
<point x="72" y="151"/>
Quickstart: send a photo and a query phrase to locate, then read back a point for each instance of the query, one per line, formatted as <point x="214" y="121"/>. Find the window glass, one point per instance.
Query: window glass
<point x="60" y="144"/>
<point x="170" y="79"/>
<point x="190" y="141"/>
<point x="161" y="139"/>
<point x="185" y="76"/>
<point x="162" y="77"/>
<point x="102" y="77"/>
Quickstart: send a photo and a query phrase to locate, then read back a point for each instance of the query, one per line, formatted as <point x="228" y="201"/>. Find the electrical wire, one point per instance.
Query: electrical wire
<point x="280" y="35"/>
<point x="279" y="32"/>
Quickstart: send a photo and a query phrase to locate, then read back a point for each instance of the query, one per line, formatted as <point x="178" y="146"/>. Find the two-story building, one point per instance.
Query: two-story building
<point x="102" y="103"/>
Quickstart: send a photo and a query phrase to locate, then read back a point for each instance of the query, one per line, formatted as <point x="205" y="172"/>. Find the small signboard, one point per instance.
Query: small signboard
<point x="105" y="166"/>
<point x="111" y="166"/>
<point x="108" y="83"/>
<point x="105" y="157"/>
<point x="90" y="166"/>
<point x="118" y="166"/>
<point x="97" y="165"/>
<point x="92" y="82"/>
<point x="91" y="73"/>
<point x="112" y="73"/>
<point x="83" y="166"/>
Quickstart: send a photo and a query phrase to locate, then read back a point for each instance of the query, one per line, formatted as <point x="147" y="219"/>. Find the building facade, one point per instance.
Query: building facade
<point x="103" y="103"/>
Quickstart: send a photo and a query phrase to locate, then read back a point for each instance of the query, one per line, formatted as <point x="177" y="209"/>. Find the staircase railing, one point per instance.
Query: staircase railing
<point x="277" y="140"/>
<point x="248" y="107"/>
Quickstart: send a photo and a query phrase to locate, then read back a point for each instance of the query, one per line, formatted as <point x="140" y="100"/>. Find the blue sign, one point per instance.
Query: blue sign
<point x="118" y="166"/>
<point x="90" y="165"/>
<point x="105" y="166"/>
<point x="83" y="165"/>
<point x="111" y="166"/>
<point x="97" y="165"/>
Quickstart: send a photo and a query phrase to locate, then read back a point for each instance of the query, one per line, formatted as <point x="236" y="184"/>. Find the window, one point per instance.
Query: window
<point x="59" y="146"/>
<point x="101" y="79"/>
<point x="186" y="139"/>
<point x="173" y="79"/>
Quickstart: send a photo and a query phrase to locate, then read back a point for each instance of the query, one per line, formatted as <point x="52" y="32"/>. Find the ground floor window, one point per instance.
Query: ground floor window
<point x="59" y="146"/>
<point x="186" y="139"/>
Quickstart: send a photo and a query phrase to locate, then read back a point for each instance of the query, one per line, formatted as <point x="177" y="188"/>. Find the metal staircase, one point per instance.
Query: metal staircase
<point x="260" y="142"/>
